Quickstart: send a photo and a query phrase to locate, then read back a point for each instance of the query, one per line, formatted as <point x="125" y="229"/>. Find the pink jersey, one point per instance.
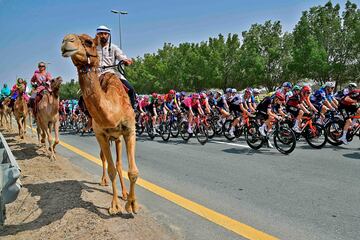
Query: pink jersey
<point x="189" y="103"/>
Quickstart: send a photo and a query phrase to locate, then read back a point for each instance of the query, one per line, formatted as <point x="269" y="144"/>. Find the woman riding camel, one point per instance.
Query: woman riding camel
<point x="40" y="81"/>
<point x="19" y="86"/>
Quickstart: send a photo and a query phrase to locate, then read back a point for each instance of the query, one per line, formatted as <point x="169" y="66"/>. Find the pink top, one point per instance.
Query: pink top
<point x="189" y="103"/>
<point x="40" y="78"/>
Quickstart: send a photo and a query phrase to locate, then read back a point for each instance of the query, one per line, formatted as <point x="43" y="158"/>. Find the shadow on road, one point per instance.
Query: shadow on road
<point x="355" y="155"/>
<point x="55" y="199"/>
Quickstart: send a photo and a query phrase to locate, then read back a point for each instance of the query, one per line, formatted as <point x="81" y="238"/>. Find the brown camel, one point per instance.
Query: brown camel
<point x="110" y="108"/>
<point x="47" y="116"/>
<point x="20" y="113"/>
<point x="6" y="112"/>
<point x="3" y="115"/>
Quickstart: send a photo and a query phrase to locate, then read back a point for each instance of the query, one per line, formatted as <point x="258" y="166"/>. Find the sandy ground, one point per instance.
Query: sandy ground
<point x="60" y="201"/>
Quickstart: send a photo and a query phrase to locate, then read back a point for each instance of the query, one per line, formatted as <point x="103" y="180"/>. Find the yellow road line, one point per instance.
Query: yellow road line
<point x="211" y="215"/>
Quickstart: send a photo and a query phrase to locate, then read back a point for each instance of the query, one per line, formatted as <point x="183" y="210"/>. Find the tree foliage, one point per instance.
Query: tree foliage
<point x="324" y="44"/>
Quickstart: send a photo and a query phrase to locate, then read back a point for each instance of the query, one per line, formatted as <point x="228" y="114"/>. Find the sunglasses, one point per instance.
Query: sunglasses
<point x="41" y="66"/>
<point x="307" y="92"/>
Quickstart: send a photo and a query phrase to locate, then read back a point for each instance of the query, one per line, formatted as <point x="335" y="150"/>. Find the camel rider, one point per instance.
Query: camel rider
<point x="108" y="54"/>
<point x="20" y="85"/>
<point x="40" y="81"/>
<point x="5" y="91"/>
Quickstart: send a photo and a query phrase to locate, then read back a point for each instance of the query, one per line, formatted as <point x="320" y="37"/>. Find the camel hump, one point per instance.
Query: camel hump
<point x="107" y="79"/>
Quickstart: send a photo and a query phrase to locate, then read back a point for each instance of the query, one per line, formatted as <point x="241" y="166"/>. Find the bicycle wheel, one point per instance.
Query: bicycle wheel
<point x="253" y="136"/>
<point x="316" y="137"/>
<point x="334" y="131"/>
<point x="226" y="128"/>
<point x="201" y="134"/>
<point x="165" y="131"/>
<point x="174" y="129"/>
<point x="150" y="130"/>
<point x="211" y="129"/>
<point x="284" y="140"/>
<point x="218" y="128"/>
<point x="183" y="131"/>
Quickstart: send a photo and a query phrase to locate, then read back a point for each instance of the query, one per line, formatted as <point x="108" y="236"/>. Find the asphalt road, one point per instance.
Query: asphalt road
<point x="310" y="194"/>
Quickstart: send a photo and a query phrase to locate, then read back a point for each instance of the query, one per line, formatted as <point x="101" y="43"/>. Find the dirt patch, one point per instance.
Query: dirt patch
<point x="60" y="201"/>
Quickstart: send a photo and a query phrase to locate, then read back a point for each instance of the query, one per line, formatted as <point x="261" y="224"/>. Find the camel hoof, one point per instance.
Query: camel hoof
<point x="132" y="206"/>
<point x="104" y="182"/>
<point x="115" y="208"/>
<point x="124" y="196"/>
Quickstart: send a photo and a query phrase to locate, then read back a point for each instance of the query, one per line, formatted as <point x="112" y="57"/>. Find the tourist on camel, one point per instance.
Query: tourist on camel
<point x="20" y="86"/>
<point x="5" y="91"/>
<point x="40" y="81"/>
<point x="108" y="54"/>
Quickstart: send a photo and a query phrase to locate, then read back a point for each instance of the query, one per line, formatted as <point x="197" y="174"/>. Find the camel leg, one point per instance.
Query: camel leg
<point x="50" y="140"/>
<point x="119" y="169"/>
<point x="105" y="148"/>
<point x="19" y="127"/>
<point x="56" y="130"/>
<point x="104" y="179"/>
<point x="24" y="125"/>
<point x="133" y="172"/>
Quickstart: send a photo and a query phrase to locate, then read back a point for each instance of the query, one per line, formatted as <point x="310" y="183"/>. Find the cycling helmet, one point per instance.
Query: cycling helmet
<point x="352" y="85"/>
<point x="287" y="84"/>
<point x="146" y="98"/>
<point x="154" y="95"/>
<point x="183" y="93"/>
<point x="228" y="90"/>
<point x="195" y="96"/>
<point x="256" y="91"/>
<point x="329" y="85"/>
<point x="248" y="90"/>
<point x="177" y="95"/>
<point x="172" y="92"/>
<point x="280" y="96"/>
<point x="296" y="88"/>
<point x="233" y="90"/>
<point x="306" y="89"/>
<point x="210" y="93"/>
<point x="203" y="95"/>
<point x="161" y="98"/>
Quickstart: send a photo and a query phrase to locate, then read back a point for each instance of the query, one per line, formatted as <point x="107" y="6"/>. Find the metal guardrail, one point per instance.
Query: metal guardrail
<point x="9" y="177"/>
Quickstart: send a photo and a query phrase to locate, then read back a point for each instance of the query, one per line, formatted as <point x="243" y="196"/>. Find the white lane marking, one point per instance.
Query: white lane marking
<point x="231" y="144"/>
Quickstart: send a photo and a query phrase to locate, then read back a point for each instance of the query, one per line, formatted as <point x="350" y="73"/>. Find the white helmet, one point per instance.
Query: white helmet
<point x="352" y="85"/>
<point x="330" y="84"/>
<point x="256" y="91"/>
<point x="103" y="29"/>
<point x="233" y="90"/>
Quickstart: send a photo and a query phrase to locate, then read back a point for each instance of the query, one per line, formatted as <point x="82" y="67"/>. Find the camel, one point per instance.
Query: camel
<point x="5" y="113"/>
<point x="47" y="116"/>
<point x="20" y="113"/>
<point x="111" y="111"/>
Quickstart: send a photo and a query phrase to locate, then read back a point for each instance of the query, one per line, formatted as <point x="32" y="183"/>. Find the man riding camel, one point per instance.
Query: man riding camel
<point x="109" y="53"/>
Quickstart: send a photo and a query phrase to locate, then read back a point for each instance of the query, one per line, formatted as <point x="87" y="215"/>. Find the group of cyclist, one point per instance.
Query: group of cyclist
<point x="297" y="101"/>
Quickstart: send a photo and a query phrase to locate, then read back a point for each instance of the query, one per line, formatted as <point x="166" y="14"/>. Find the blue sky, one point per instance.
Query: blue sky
<point x="32" y="30"/>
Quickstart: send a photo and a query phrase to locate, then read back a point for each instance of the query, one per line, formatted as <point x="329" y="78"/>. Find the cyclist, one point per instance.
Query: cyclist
<point x="223" y="107"/>
<point x="268" y="110"/>
<point x="299" y="104"/>
<point x="204" y="103"/>
<point x="192" y="106"/>
<point x="349" y="106"/>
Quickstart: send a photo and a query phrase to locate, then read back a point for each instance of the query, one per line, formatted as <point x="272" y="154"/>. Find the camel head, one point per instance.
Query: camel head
<point x="55" y="85"/>
<point x="81" y="49"/>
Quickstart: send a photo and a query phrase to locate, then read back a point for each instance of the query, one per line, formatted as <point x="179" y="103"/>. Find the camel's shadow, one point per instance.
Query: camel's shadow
<point x="55" y="200"/>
